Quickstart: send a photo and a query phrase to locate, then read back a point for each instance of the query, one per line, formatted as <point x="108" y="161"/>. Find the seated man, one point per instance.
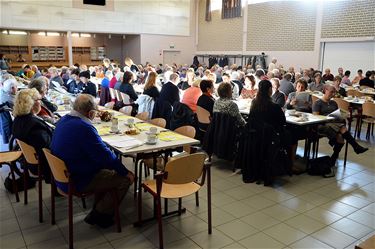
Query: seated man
<point x="93" y="166"/>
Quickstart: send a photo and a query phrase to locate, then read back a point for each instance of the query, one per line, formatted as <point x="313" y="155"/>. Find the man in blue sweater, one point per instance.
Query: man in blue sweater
<point x="93" y="166"/>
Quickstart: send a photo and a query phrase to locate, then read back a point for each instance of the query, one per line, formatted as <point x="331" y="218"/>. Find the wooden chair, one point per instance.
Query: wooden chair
<point x="112" y="93"/>
<point x="109" y="105"/>
<point x="368" y="116"/>
<point x="61" y="175"/>
<point x="127" y="110"/>
<point x="354" y="93"/>
<point x="9" y="158"/>
<point x="204" y="120"/>
<point x="118" y="95"/>
<point x="125" y="98"/>
<point x="142" y="116"/>
<point x="182" y="177"/>
<point x="32" y="160"/>
<point x="161" y="122"/>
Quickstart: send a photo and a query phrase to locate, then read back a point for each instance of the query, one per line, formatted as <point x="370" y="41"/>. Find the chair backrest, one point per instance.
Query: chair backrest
<point x="112" y="93"/>
<point x="368" y="109"/>
<point x="109" y="105"/>
<point x="28" y="152"/>
<point x="185" y="169"/>
<point x="142" y="116"/>
<point x="58" y="168"/>
<point x="343" y="105"/>
<point x="203" y="115"/>
<point x="186" y="130"/>
<point x="159" y="122"/>
<point x="127" y="110"/>
<point x="355" y="93"/>
<point x="118" y="95"/>
<point x="125" y="98"/>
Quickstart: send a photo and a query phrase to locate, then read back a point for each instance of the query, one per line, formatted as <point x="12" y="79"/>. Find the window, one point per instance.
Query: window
<point x="231" y="9"/>
<point x="208" y="10"/>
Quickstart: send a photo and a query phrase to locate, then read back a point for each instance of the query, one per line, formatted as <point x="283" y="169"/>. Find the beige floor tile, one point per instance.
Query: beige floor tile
<point x="339" y="208"/>
<point x="215" y="240"/>
<point x="183" y="243"/>
<point x="239" y="192"/>
<point x="260" y="220"/>
<point x="261" y="240"/>
<point x="41" y="233"/>
<point x="369" y="209"/>
<point x="284" y="233"/>
<point x="218" y="217"/>
<point x="105" y="245"/>
<point x="305" y="224"/>
<point x="314" y="198"/>
<point x="354" y="201"/>
<point x="322" y="215"/>
<point x="333" y="237"/>
<point x="234" y="246"/>
<point x="280" y="212"/>
<point x="237" y="229"/>
<point x="190" y="225"/>
<point x="56" y="243"/>
<point x="238" y="209"/>
<point x="133" y="241"/>
<point x="364" y="218"/>
<point x="12" y="241"/>
<point x="309" y="243"/>
<point x="258" y="202"/>
<point x="298" y="204"/>
<point x="276" y="195"/>
<point x="9" y="226"/>
<point x="170" y="233"/>
<point x="351" y="228"/>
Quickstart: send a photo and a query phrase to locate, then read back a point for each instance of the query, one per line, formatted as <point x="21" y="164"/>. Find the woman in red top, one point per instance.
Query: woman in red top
<point x="192" y="95"/>
<point x="249" y="90"/>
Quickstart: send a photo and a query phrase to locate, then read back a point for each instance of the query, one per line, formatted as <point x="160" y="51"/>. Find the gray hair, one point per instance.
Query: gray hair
<point x="39" y="84"/>
<point x="84" y="103"/>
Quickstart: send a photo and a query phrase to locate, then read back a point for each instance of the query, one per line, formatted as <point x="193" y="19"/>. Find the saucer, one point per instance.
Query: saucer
<point x="151" y="143"/>
<point x="150" y="133"/>
<point x="115" y="132"/>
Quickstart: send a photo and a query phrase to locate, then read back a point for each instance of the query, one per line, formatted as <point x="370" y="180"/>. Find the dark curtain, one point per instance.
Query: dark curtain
<point x="208" y="10"/>
<point x="231" y="9"/>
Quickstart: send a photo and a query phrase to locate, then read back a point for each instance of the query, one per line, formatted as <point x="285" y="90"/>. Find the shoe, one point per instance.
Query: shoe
<point x="359" y="149"/>
<point x="91" y="218"/>
<point x="330" y="174"/>
<point x="96" y="218"/>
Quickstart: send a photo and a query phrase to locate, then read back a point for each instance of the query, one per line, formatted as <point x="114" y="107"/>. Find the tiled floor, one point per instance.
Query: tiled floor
<point x="298" y="212"/>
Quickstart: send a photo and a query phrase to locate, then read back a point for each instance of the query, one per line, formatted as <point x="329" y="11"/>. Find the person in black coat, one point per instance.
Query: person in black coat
<point x="31" y="129"/>
<point x="206" y="101"/>
<point x="86" y="86"/>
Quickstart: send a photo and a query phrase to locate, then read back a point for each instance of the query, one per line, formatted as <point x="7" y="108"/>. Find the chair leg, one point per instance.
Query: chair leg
<point x="40" y="194"/>
<point x="160" y="225"/>
<point x="209" y="211"/>
<point x="15" y="188"/>
<point x="197" y="199"/>
<point x="179" y="206"/>
<point x="136" y="178"/>
<point x="53" y="191"/>
<point x="117" y="212"/>
<point x="346" y="154"/>
<point x="140" y="207"/>
<point x="83" y="199"/>
<point x="25" y="179"/>
<point x="70" y="218"/>
<point x="166" y="206"/>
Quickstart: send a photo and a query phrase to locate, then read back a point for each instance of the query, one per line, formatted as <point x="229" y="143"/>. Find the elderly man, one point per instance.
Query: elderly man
<point x="286" y="85"/>
<point x="92" y="164"/>
<point x="36" y="71"/>
<point x="328" y="75"/>
<point x="272" y="65"/>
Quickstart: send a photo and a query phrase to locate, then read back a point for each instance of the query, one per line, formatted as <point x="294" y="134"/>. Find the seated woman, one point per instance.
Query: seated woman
<point x="86" y="86"/>
<point x="192" y="95"/>
<point x="206" y="101"/>
<point x="31" y="129"/>
<point x="336" y="130"/>
<point x="107" y="78"/>
<point x="340" y="91"/>
<point x="190" y="78"/>
<point x="47" y="108"/>
<point x="277" y="96"/>
<point x="225" y="105"/>
<point x="150" y="88"/>
<point x="299" y="100"/>
<point x="126" y="86"/>
<point x="317" y="84"/>
<point x="249" y="90"/>
<point x="72" y="84"/>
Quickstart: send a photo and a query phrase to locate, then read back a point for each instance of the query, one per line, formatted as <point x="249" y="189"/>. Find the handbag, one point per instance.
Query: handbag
<point x="319" y="166"/>
<point x="8" y="183"/>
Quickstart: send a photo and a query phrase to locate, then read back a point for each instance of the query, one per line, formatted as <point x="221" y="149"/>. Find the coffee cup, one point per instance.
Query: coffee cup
<point x="153" y="130"/>
<point x="152" y="138"/>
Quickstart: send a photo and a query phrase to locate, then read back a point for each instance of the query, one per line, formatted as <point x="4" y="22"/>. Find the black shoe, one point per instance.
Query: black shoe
<point x="91" y="218"/>
<point x="96" y="218"/>
<point x="330" y="174"/>
<point x="359" y="149"/>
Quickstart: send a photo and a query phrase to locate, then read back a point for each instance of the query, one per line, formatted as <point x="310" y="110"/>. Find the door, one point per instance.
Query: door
<point x="170" y="57"/>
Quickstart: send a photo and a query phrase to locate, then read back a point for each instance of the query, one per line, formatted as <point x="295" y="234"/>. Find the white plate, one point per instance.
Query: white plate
<point x="149" y="143"/>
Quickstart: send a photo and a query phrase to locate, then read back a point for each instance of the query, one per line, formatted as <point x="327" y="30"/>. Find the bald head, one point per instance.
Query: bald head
<point x="85" y="104"/>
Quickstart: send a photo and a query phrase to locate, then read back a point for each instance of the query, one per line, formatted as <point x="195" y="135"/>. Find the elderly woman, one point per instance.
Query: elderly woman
<point x="206" y="100"/>
<point x="47" y="108"/>
<point x="86" y="86"/>
<point x="317" y="84"/>
<point x="126" y="86"/>
<point x="340" y="91"/>
<point x="192" y="95"/>
<point x="190" y="78"/>
<point x="225" y="105"/>
<point x="72" y="84"/>
<point x="31" y="129"/>
<point x="8" y="91"/>
<point x="336" y="130"/>
<point x="55" y="78"/>
<point x="277" y="96"/>
<point x="299" y="100"/>
<point x="249" y="91"/>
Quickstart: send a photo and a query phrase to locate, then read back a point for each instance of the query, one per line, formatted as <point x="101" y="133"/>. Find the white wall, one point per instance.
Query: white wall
<point x="128" y="16"/>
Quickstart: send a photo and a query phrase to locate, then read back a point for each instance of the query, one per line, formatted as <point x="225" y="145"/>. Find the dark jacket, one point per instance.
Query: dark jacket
<point x="89" y="88"/>
<point x="170" y="93"/>
<point x="35" y="132"/>
<point x="273" y="116"/>
<point x="183" y="85"/>
<point x="181" y="115"/>
<point x="278" y="98"/>
<point x="153" y="92"/>
<point x="366" y="82"/>
<point x="6" y="122"/>
<point x="222" y="136"/>
<point x="105" y="96"/>
<point x="127" y="89"/>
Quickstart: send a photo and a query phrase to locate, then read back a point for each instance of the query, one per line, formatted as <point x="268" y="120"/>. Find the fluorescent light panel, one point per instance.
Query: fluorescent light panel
<point x="14" y="32"/>
<point x="49" y="33"/>
<point x="80" y="35"/>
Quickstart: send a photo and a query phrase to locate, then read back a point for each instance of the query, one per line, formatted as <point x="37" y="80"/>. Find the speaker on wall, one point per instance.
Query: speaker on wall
<point x="94" y="2"/>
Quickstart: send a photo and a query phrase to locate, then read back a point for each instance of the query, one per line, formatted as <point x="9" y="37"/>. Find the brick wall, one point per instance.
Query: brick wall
<point x="218" y="34"/>
<point x="281" y="26"/>
<point x="348" y="19"/>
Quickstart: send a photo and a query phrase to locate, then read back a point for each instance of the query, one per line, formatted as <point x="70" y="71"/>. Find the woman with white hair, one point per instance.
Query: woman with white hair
<point x="31" y="129"/>
<point x="8" y="91"/>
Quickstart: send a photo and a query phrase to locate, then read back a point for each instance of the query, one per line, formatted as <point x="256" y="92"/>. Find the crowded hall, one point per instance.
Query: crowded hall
<point x="187" y="124"/>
